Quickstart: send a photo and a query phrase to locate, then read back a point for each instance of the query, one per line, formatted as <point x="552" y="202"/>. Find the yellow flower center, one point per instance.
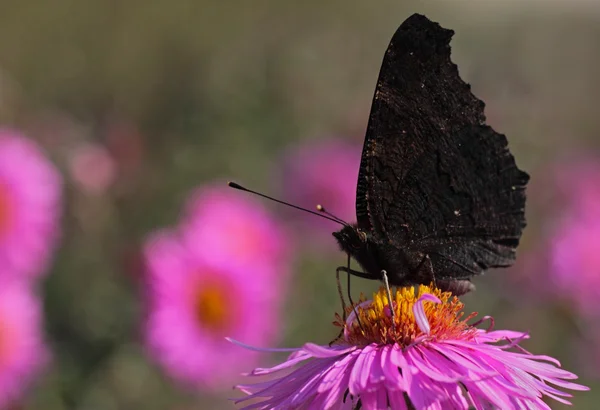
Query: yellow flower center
<point x="5" y="209"/>
<point x="374" y="324"/>
<point x="213" y="306"/>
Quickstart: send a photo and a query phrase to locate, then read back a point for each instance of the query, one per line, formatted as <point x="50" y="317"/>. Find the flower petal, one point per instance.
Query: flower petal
<point x="419" y="312"/>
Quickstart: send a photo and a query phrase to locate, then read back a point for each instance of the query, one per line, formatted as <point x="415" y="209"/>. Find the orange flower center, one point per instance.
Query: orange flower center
<point x="5" y="209"/>
<point x="6" y="344"/>
<point x="374" y="324"/>
<point x="213" y="305"/>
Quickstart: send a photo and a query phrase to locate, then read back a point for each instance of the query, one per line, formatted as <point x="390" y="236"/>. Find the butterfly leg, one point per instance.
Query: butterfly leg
<point x="355" y="273"/>
<point x="339" y="287"/>
<point x="341" y="294"/>
<point x="390" y="300"/>
<point x="350" y="294"/>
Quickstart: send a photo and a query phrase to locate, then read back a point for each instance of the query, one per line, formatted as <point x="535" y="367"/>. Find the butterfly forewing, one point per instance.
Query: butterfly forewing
<point x="433" y="177"/>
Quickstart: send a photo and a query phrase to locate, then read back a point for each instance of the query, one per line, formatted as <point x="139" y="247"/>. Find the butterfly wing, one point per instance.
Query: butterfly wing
<point x="433" y="177"/>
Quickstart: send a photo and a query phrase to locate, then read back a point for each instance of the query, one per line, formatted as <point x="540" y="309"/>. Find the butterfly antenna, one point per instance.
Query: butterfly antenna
<point x="322" y="209"/>
<point x="326" y="216"/>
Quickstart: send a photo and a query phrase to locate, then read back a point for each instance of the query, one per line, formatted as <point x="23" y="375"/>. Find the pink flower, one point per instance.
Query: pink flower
<point x="575" y="238"/>
<point x="566" y="198"/>
<point x="322" y="173"/>
<point x="569" y="250"/>
<point x="93" y="168"/>
<point x="429" y="359"/>
<point x="226" y="225"/>
<point x="30" y="205"/>
<point x="23" y="354"/>
<point x="577" y="184"/>
<point x="570" y="183"/>
<point x="575" y="250"/>
<point x="195" y="300"/>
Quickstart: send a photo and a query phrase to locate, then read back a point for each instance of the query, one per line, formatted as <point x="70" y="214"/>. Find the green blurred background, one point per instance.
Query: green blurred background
<point x="187" y="91"/>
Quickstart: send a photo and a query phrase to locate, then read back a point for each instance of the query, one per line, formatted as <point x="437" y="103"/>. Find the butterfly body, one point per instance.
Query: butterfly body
<point x="439" y="196"/>
<point x="375" y="256"/>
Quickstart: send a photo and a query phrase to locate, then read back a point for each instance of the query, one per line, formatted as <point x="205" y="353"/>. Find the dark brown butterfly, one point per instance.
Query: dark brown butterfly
<point x="439" y="196"/>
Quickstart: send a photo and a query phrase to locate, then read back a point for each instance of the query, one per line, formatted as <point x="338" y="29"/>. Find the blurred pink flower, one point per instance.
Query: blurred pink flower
<point x="566" y="200"/>
<point x="23" y="354"/>
<point x="565" y="264"/>
<point x="228" y="225"/>
<point x="577" y="183"/>
<point x="574" y="263"/>
<point x="432" y="359"/>
<point x="194" y="302"/>
<point x="325" y="173"/>
<point x="92" y="168"/>
<point x="30" y="205"/>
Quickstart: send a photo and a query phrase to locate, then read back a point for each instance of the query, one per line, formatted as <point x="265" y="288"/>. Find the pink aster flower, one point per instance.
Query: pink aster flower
<point x="575" y="247"/>
<point x="194" y="302"/>
<point x="429" y="359"/>
<point x="574" y="242"/>
<point x="577" y="185"/>
<point x="225" y="225"/>
<point x="570" y="204"/>
<point x="323" y="173"/>
<point x="23" y="354"/>
<point x="30" y="205"/>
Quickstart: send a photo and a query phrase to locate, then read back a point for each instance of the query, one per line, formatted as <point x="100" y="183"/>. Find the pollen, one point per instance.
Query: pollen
<point x="371" y="322"/>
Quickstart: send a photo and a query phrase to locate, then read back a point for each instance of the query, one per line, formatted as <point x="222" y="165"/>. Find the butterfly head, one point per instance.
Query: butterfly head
<point x="351" y="238"/>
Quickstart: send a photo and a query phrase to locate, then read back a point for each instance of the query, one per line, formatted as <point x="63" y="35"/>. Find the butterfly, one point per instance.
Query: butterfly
<point x="439" y="197"/>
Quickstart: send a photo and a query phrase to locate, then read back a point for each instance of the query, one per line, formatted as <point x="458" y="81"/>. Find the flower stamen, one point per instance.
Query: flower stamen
<point x="428" y="313"/>
<point x="425" y="355"/>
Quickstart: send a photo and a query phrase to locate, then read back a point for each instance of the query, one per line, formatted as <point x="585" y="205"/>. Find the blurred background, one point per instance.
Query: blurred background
<point x="124" y="120"/>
